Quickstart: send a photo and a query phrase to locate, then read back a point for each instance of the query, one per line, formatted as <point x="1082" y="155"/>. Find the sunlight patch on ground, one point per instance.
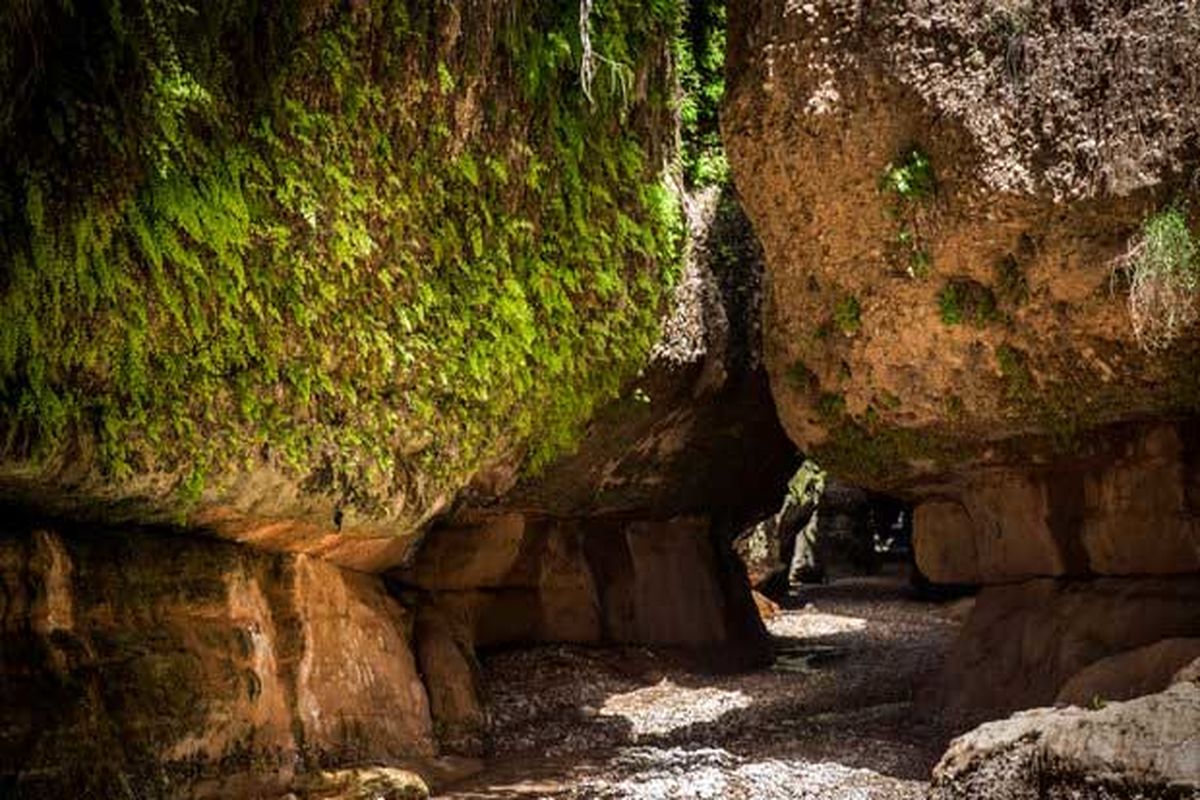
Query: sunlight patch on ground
<point x="713" y="773"/>
<point x="809" y="623"/>
<point x="665" y="706"/>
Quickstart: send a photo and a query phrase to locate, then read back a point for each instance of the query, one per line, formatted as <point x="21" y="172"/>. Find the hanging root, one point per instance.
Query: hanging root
<point x="587" y="62"/>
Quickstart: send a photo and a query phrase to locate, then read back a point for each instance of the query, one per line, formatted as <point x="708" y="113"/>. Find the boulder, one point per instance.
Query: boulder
<point x="1133" y="673"/>
<point x="320" y="357"/>
<point x="1023" y="643"/>
<point x="1142" y="748"/>
<point x="942" y="200"/>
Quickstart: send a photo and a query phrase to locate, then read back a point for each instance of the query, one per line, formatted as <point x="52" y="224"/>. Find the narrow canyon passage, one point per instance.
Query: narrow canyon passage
<point x="833" y="717"/>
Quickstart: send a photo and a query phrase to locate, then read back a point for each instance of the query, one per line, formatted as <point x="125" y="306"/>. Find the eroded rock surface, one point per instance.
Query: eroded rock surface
<point x="1143" y="748"/>
<point x="909" y="336"/>
<point x="1024" y="642"/>
<point x="1125" y="504"/>
<point x="1131" y="673"/>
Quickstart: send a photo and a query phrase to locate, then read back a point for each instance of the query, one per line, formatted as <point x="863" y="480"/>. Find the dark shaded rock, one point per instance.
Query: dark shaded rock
<point x="1023" y="642"/>
<point x="149" y="664"/>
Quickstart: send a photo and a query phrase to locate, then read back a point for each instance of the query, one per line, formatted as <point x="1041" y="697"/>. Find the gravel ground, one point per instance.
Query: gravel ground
<point x="831" y="719"/>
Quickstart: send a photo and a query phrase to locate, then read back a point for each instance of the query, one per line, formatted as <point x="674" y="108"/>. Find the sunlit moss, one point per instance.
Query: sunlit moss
<point x="329" y="237"/>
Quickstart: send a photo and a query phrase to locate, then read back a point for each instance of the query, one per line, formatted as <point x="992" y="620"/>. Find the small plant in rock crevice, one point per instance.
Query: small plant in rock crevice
<point x="911" y="178"/>
<point x="910" y="183"/>
<point x="964" y="300"/>
<point x="1162" y="268"/>
<point x="848" y="315"/>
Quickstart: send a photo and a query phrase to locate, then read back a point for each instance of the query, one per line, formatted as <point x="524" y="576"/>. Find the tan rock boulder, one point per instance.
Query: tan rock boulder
<point x="446" y="656"/>
<point x="1023" y="642"/>
<point x="940" y="197"/>
<point x="589" y="581"/>
<point x="1124" y="505"/>
<point x="1125" y="751"/>
<point x="1144" y="670"/>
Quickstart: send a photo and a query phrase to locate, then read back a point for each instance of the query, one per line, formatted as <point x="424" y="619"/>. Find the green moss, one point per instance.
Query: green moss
<point x="831" y="406"/>
<point x="872" y="452"/>
<point x="1019" y="386"/>
<point x="801" y="378"/>
<point x="264" y="230"/>
<point x="890" y="401"/>
<point x="963" y="300"/>
<point x="847" y="314"/>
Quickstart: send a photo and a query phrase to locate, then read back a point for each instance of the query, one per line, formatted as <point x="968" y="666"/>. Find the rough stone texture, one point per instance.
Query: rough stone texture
<point x="1142" y="749"/>
<point x="1127" y="505"/>
<point x="1144" y="670"/>
<point x="1023" y="642"/>
<point x="1052" y="128"/>
<point x="155" y="665"/>
<point x="363" y="444"/>
<point x="264" y="508"/>
<point x="1191" y="672"/>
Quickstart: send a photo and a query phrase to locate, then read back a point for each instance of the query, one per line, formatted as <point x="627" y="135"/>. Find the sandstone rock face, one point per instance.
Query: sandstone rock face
<point x="953" y="332"/>
<point x="1126" y="505"/>
<point x="1023" y="643"/>
<point x="1143" y="748"/>
<point x="155" y="665"/>
<point x="589" y="581"/>
<point x="446" y="657"/>
<point x="1144" y="670"/>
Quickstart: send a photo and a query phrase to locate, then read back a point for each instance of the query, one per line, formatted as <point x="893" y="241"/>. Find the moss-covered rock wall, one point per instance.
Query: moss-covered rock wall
<point x="369" y="247"/>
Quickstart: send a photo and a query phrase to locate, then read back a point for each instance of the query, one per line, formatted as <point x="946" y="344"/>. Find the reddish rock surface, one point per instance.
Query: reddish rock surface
<point x="147" y="659"/>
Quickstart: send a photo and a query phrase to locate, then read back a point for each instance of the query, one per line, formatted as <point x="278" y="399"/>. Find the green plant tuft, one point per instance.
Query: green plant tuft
<point x="964" y="300"/>
<point x="910" y="178"/>
<point x="1162" y="268"/>
<point x="847" y="314"/>
<point x="909" y="183"/>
